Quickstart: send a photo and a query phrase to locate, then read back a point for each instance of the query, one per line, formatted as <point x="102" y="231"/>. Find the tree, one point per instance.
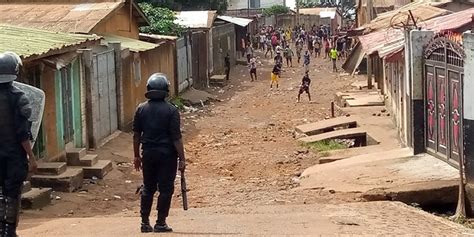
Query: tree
<point x="184" y="5"/>
<point x="347" y="7"/>
<point x="276" y="10"/>
<point x="162" y="20"/>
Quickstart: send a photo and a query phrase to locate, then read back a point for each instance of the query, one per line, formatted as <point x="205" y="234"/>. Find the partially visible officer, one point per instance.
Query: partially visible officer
<point x="156" y="128"/>
<point x="15" y="146"/>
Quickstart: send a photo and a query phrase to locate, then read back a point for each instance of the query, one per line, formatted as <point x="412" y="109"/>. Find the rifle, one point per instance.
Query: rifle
<point x="183" y="191"/>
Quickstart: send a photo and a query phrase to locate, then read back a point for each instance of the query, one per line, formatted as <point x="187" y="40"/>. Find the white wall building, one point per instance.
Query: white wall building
<point x="244" y="4"/>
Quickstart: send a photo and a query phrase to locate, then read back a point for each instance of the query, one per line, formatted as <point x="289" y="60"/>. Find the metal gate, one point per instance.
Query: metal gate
<point x="200" y="62"/>
<point x="104" y="94"/>
<point x="444" y="60"/>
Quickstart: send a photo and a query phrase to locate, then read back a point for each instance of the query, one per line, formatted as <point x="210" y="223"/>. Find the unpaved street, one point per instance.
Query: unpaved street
<point x="242" y="156"/>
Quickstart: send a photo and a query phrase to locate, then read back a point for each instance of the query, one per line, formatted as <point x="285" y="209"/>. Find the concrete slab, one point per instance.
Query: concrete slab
<point x="339" y="134"/>
<point x="36" y="198"/>
<point x="68" y="181"/>
<point x="326" y="125"/>
<point x="382" y="170"/>
<point x="196" y="97"/>
<point x="218" y="79"/>
<point x="348" y="153"/>
<point x="363" y="84"/>
<point x="359" y="98"/>
<point x="51" y="168"/>
<point x="99" y="170"/>
<point x="89" y="160"/>
<point x="74" y="155"/>
<point x="26" y="187"/>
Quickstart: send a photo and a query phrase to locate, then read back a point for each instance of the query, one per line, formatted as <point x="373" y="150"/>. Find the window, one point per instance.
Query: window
<point x="254" y="3"/>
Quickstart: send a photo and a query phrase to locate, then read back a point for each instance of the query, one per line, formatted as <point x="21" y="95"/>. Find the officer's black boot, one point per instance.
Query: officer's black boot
<point x="145" y="226"/>
<point x="12" y="210"/>
<point x="161" y="225"/>
<point x="2" y="212"/>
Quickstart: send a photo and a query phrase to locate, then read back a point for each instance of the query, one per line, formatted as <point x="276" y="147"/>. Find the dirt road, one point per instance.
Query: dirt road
<point x="241" y="154"/>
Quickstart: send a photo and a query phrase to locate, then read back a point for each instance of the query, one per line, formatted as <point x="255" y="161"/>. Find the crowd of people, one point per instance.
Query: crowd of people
<point x="303" y="42"/>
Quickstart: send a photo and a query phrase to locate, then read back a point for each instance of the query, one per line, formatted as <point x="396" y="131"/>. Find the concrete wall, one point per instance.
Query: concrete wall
<point x="468" y="113"/>
<point x="223" y="40"/>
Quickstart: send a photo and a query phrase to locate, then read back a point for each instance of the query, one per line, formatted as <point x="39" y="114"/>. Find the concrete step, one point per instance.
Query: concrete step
<point x="36" y="198"/>
<point x="26" y="187"/>
<point x="351" y="133"/>
<point x="99" y="170"/>
<point x="218" y="80"/>
<point x="89" y="160"/>
<point x="327" y="125"/>
<point x="68" y="181"/>
<point x="51" y="168"/>
<point x="74" y="155"/>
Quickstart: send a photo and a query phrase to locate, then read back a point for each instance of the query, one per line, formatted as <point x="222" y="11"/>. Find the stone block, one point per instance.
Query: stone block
<point x="73" y="156"/>
<point x="51" y="168"/>
<point x="89" y="160"/>
<point x="26" y="187"/>
<point x="99" y="170"/>
<point x="36" y="198"/>
<point x="68" y="181"/>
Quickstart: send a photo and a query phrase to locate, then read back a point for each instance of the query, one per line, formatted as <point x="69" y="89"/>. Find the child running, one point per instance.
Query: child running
<point x="307" y="61"/>
<point x="305" y="86"/>
<point x="275" y="75"/>
<point x="253" y="68"/>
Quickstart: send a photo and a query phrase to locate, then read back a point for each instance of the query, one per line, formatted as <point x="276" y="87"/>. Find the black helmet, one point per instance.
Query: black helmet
<point x="157" y="86"/>
<point x="9" y="67"/>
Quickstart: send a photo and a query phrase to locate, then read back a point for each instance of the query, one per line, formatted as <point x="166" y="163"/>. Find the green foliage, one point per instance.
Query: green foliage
<point x="276" y="10"/>
<point x="191" y="5"/>
<point x="178" y="102"/>
<point x="161" y="21"/>
<point x="326" y="145"/>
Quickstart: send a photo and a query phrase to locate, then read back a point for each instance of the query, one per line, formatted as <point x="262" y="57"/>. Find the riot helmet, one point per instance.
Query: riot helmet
<point x="10" y="64"/>
<point x="157" y="86"/>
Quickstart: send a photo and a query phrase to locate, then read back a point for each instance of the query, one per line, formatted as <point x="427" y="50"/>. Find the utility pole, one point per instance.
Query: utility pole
<point x="248" y="8"/>
<point x="297" y="12"/>
<point x="369" y="58"/>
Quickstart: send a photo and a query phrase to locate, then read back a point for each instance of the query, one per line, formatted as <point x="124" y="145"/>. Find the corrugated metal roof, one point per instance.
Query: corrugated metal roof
<point x="129" y="43"/>
<point x="28" y="42"/>
<point x="63" y="17"/>
<point x="391" y="40"/>
<point x="421" y="10"/>
<point x="236" y="20"/>
<point x="385" y="3"/>
<point x="196" y="19"/>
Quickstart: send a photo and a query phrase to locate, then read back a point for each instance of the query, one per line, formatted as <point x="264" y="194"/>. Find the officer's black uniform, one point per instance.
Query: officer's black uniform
<point x="158" y="122"/>
<point x="15" y="128"/>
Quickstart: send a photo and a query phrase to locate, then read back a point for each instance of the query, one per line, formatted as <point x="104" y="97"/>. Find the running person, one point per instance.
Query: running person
<point x="253" y="68"/>
<point x="275" y="76"/>
<point x="304" y="87"/>
<point x="307" y="61"/>
<point x="289" y="56"/>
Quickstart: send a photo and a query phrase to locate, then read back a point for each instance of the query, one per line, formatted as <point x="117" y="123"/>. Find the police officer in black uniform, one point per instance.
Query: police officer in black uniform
<point x="16" y="154"/>
<point x="156" y="128"/>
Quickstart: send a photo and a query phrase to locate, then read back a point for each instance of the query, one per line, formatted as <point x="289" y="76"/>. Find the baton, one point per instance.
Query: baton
<point x="183" y="191"/>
